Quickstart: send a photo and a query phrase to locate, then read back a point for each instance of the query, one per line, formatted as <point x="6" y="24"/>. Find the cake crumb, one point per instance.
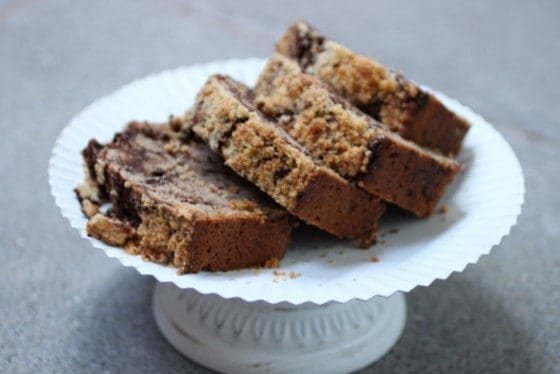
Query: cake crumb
<point x="294" y="275"/>
<point x="110" y="230"/>
<point x="279" y="273"/>
<point x="175" y="122"/>
<point x="89" y="208"/>
<point x="368" y="241"/>
<point x="275" y="280"/>
<point x="272" y="263"/>
<point x="242" y="205"/>
<point x="212" y="187"/>
<point x="443" y="210"/>
<point x="233" y="189"/>
<point x="374" y="259"/>
<point x="171" y="147"/>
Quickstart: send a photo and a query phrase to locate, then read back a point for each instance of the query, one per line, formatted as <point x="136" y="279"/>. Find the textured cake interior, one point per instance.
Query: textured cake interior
<point x="173" y="201"/>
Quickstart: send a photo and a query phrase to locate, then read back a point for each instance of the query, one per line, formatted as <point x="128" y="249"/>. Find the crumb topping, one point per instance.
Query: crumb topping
<point x="380" y="92"/>
<point x="353" y="144"/>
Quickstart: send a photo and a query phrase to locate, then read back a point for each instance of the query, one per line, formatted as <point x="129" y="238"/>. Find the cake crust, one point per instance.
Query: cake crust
<point x="173" y="202"/>
<point x="380" y="92"/>
<point x="224" y="116"/>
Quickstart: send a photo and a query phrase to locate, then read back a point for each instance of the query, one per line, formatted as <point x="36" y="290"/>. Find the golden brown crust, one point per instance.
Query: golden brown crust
<point x="350" y="142"/>
<point x="386" y="95"/>
<point x="264" y="154"/>
<point x="174" y="202"/>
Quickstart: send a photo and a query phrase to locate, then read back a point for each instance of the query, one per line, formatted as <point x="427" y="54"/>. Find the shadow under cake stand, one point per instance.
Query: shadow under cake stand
<point x="344" y="312"/>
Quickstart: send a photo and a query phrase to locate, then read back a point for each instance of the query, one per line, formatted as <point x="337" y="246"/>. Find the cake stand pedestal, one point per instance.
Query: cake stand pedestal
<point x="236" y="336"/>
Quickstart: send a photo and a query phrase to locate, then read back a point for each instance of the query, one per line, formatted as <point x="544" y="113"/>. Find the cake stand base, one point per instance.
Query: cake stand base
<point x="236" y="336"/>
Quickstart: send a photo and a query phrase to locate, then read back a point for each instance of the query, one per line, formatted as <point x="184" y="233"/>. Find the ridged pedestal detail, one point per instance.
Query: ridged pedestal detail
<point x="235" y="336"/>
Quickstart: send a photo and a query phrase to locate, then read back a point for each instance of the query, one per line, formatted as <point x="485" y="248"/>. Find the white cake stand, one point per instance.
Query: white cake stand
<point x="330" y="307"/>
<point x="236" y="336"/>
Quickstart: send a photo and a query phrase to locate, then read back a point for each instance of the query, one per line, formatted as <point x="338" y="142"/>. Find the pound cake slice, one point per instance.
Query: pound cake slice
<point x="174" y="202"/>
<point x="350" y="142"/>
<point x="259" y="150"/>
<point x="384" y="94"/>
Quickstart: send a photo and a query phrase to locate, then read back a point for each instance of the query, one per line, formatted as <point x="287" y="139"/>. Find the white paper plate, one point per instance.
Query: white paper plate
<point x="484" y="203"/>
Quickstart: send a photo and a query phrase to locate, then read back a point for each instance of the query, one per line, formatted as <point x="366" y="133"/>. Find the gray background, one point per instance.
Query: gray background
<point x="65" y="307"/>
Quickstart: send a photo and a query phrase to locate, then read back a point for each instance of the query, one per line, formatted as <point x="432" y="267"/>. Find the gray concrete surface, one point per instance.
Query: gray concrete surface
<point x="65" y="307"/>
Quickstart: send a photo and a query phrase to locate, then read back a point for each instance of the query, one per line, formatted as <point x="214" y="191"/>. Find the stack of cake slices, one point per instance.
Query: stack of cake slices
<point x="326" y="137"/>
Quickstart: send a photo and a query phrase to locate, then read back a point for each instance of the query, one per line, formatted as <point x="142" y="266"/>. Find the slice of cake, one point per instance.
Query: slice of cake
<point x="174" y="202"/>
<point x="259" y="150"/>
<point x="384" y="94"/>
<point x="351" y="142"/>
